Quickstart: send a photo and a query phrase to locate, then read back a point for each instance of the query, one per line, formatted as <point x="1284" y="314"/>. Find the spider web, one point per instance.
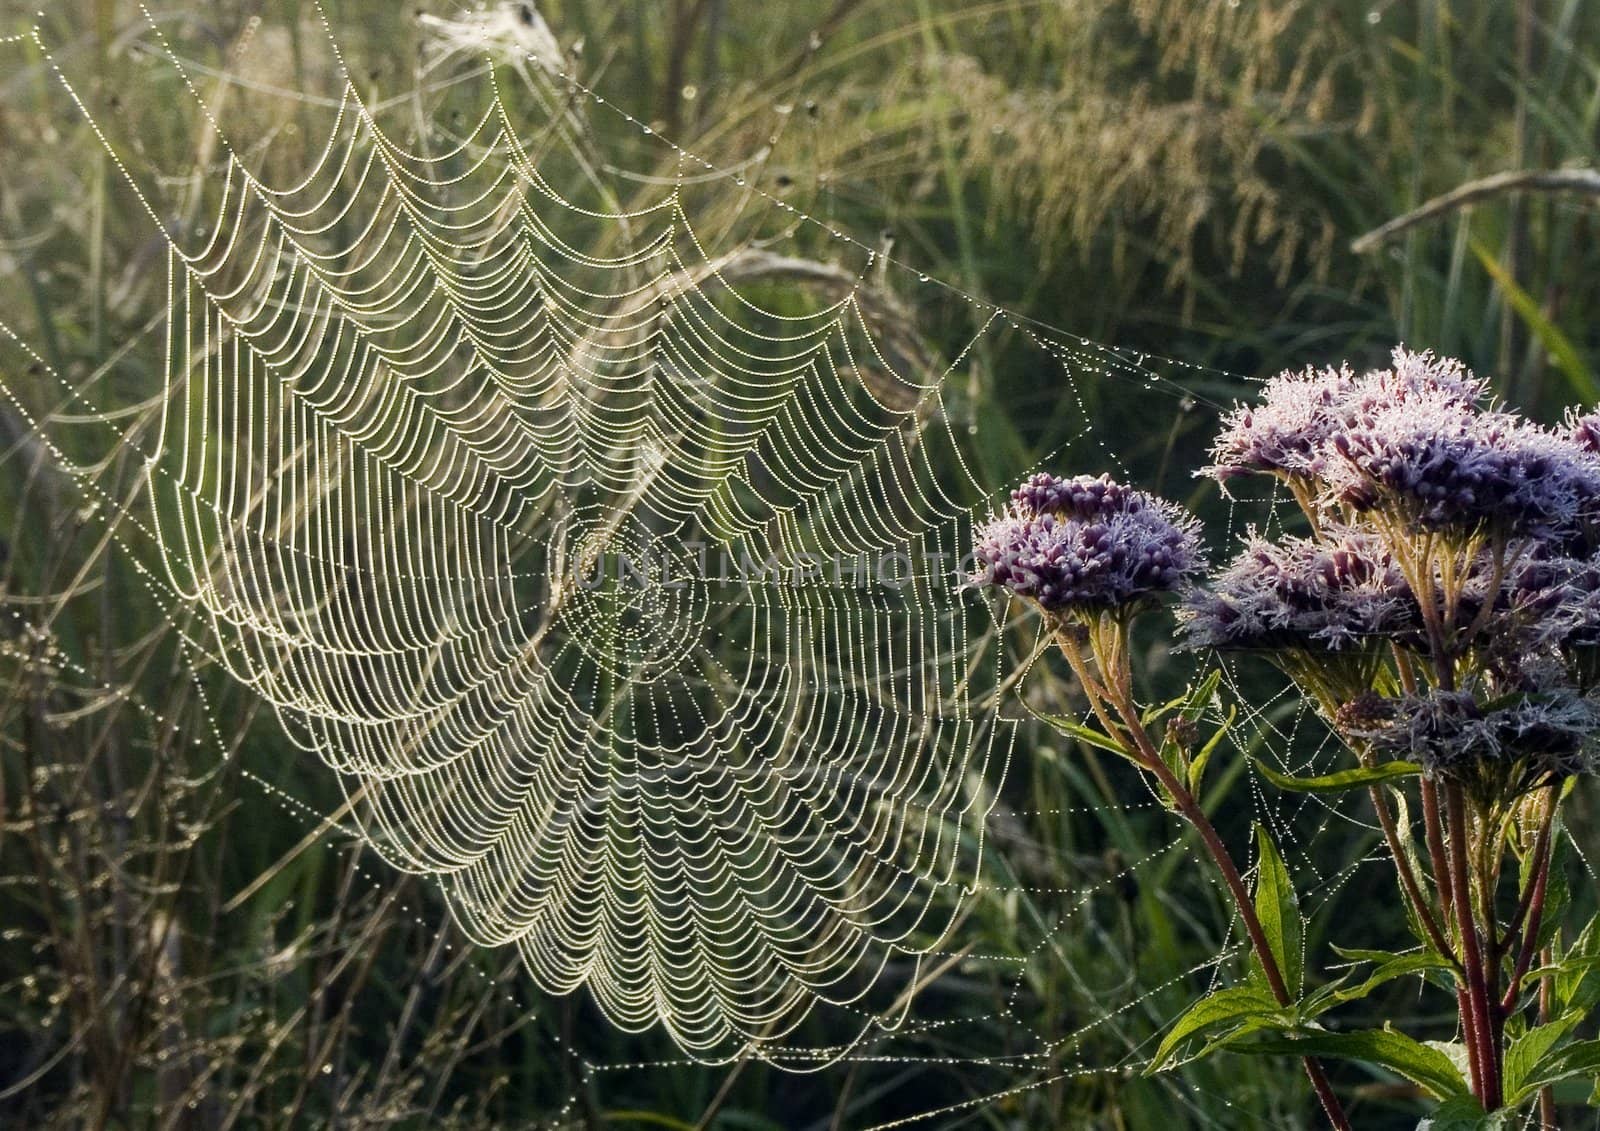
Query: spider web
<point x="611" y="559"/>
<point x="444" y="487"/>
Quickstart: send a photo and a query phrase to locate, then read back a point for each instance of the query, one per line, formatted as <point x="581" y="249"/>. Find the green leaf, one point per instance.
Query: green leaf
<point x="1197" y="767"/>
<point x="1227" y="1008"/>
<point x="1343" y="780"/>
<point x="1581" y="1058"/>
<point x="1577" y="979"/>
<point x="1176" y="761"/>
<point x="1191" y="704"/>
<point x="1388" y="968"/>
<point x="1362" y="954"/>
<point x="1150" y="715"/>
<point x="1191" y="707"/>
<point x="1464" y="1113"/>
<point x="1202" y="696"/>
<point x="1279" y="912"/>
<point x="1558" y="887"/>
<point x="1454" y="1051"/>
<point x="1426" y="1067"/>
<point x="1072" y="728"/>
<point x="1529" y="1050"/>
<point x="1408" y="847"/>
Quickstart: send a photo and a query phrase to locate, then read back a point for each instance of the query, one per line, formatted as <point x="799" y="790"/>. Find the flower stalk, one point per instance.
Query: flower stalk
<point x="1478" y="1019"/>
<point x="1111" y="701"/>
<point x="1442" y="616"/>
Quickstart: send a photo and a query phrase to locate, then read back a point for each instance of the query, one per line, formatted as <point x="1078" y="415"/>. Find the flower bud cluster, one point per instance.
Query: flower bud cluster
<point x="1583" y="429"/>
<point x="1501" y="749"/>
<point x="1418" y="439"/>
<point x="1560" y="596"/>
<point x="1330" y="592"/>
<point x="1450" y="467"/>
<point x="1457" y="534"/>
<point x="1292" y="430"/>
<point x="1086" y="544"/>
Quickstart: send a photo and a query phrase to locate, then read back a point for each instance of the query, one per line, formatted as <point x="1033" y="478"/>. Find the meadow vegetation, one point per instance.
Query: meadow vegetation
<point x="187" y="937"/>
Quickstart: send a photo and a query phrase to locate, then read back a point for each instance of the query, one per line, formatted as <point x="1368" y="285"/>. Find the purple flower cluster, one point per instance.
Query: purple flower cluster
<point x="1343" y="587"/>
<point x="1332" y="592"/>
<point x="1286" y="433"/>
<point x="1082" y="496"/>
<point x="1496" y="751"/>
<point x="1417" y="438"/>
<point x="1086" y="544"/>
<point x="1509" y="600"/>
<point x="1414" y="376"/>
<point x="1289" y="433"/>
<point x="1494" y="624"/>
<point x="1445" y="465"/>
<point x="1558" y="597"/>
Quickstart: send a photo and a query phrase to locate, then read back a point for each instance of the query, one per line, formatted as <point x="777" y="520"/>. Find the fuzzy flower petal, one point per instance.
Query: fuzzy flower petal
<point x="1286" y="433"/>
<point x="1583" y="429"/>
<point x="1559" y="597"/>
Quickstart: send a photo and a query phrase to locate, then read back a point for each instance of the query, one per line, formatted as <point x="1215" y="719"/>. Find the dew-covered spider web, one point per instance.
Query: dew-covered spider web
<point x="598" y="516"/>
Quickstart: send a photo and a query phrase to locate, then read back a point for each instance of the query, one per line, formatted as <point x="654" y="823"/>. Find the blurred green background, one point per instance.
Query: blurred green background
<point x="1179" y="178"/>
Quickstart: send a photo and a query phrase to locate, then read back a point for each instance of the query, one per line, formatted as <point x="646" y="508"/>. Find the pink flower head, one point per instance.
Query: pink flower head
<point x="1419" y="377"/>
<point x="1286" y="433"/>
<point x="1583" y="429"/>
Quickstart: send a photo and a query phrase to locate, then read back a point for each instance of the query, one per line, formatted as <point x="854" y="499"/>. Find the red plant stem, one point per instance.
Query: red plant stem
<point x="1190" y="808"/>
<point x="1479" y="1006"/>
<point x="1430" y="811"/>
<point x="1469" y="1036"/>
<point x="1150" y="759"/>
<point x="1331" y="1107"/>
<point x="1530" y="934"/>
<point x="1547" y="1094"/>
<point x="1541" y="862"/>
<point x="1488" y="878"/>
<point x="1408" y="878"/>
<point x="1450" y="871"/>
<point x="1442" y="878"/>
<point x="1433" y="828"/>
